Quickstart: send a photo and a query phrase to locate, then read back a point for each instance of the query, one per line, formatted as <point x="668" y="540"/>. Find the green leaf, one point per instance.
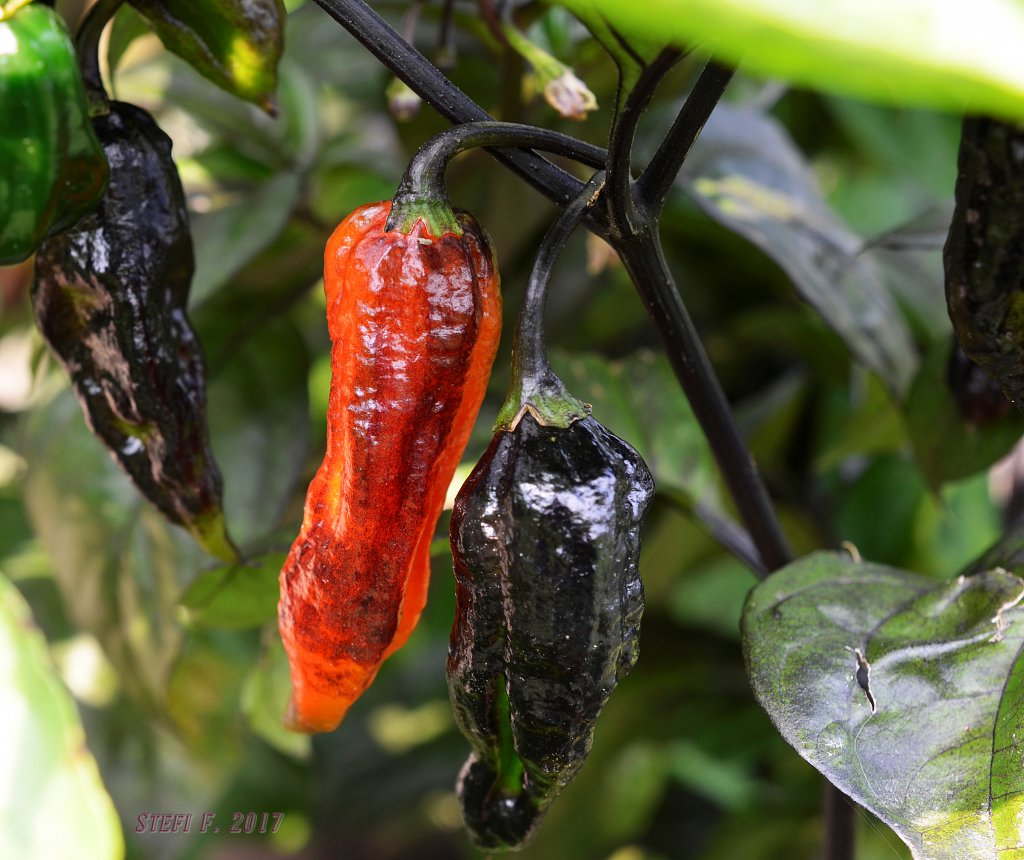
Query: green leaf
<point x="953" y="55"/>
<point x="905" y="693"/>
<point x="127" y="26"/>
<point x="960" y="448"/>
<point x="116" y="561"/>
<point x="52" y="799"/>
<point x="235" y="597"/>
<point x="234" y="43"/>
<point x="748" y="175"/>
<point x="259" y="424"/>
<point x="265" y="696"/>
<point x="227" y="238"/>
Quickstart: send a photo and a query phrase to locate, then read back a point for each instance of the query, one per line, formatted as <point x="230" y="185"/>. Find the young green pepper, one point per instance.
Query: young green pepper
<point x="52" y="168"/>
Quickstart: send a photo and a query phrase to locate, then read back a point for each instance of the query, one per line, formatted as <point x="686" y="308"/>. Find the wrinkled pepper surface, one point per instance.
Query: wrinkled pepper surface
<point x="414" y="319"/>
<point x="984" y="252"/>
<point x="546" y="538"/>
<point x="110" y="298"/>
<point x="52" y="168"/>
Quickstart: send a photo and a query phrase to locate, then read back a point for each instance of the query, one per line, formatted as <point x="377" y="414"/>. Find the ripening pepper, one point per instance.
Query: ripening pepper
<point x="52" y="168"/>
<point x="546" y="538"/>
<point x="414" y="319"/>
<point x="984" y="252"/>
<point x="110" y="298"/>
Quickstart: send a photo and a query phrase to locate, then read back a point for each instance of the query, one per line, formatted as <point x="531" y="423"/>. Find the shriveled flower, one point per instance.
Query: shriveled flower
<point x="562" y="89"/>
<point x="403" y="103"/>
<point x="568" y="95"/>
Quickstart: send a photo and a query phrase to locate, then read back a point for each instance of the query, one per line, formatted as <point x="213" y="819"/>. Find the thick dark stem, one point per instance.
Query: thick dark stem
<point x="427" y="81"/>
<point x="87" y="46"/>
<point x="654" y="184"/>
<point x="838" y="814"/>
<point x="421" y="193"/>
<point x="626" y="220"/>
<point x="634" y="234"/>
<point x="645" y="262"/>
<point x="535" y="386"/>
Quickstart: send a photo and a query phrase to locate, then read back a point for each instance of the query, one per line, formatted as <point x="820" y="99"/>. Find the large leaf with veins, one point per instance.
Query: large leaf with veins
<point x="905" y="693"/>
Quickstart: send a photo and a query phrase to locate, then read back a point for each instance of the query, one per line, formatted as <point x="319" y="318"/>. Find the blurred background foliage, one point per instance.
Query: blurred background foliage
<point x="805" y="234"/>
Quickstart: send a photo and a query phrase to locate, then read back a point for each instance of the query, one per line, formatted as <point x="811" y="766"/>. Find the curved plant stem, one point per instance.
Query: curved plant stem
<point x="656" y="180"/>
<point x="427" y="81"/>
<point x="633" y="230"/>
<point x="535" y="387"/>
<point x="838" y="824"/>
<point x="421" y="194"/>
<point x="621" y="200"/>
<point x="87" y="46"/>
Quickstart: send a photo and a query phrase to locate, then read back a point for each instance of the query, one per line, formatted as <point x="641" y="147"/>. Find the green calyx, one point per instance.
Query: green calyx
<point x="435" y="213"/>
<point x="210" y="530"/>
<point x="545" y="397"/>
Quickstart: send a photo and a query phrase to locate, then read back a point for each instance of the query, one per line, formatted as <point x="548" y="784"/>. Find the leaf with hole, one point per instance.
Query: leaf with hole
<point x="906" y="693"/>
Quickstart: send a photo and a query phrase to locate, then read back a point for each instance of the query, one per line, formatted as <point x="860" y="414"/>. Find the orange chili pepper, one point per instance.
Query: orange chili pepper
<point x="415" y="320"/>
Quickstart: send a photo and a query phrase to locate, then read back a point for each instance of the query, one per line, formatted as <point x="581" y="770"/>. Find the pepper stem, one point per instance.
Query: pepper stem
<point x="87" y="46"/>
<point x="536" y="388"/>
<point x="421" y="194"/>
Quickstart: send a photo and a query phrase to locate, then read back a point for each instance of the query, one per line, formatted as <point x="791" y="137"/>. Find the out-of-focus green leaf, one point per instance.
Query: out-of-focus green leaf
<point x="862" y="420"/>
<point x="729" y="784"/>
<point x="747" y="174"/>
<point x="235" y="597"/>
<point x="265" y="697"/>
<point x="204" y="694"/>
<point x="635" y="782"/>
<point x="229" y="237"/>
<point x="710" y="596"/>
<point x="118" y="564"/>
<point x="259" y="419"/>
<point x="234" y="43"/>
<point x="889" y="490"/>
<point x="52" y="800"/>
<point x="907" y="694"/>
<point x="956" y="527"/>
<point x="946" y="445"/>
<point x="948" y="54"/>
<point x="128" y="25"/>
<point x="639" y="399"/>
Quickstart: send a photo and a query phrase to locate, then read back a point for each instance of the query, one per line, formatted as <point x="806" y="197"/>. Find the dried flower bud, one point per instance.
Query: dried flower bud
<point x="568" y="95"/>
<point x="403" y="103"/>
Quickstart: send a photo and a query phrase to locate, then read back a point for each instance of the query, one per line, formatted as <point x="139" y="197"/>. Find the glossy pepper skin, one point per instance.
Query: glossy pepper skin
<point x="414" y="321"/>
<point x="110" y="298"/>
<point x="52" y="168"/>
<point x="984" y="252"/>
<point x="546" y="538"/>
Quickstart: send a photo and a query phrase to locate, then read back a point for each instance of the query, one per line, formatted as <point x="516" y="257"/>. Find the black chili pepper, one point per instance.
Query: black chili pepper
<point x="977" y="395"/>
<point x="110" y="298"/>
<point x="984" y="252"/>
<point x="545" y="538"/>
